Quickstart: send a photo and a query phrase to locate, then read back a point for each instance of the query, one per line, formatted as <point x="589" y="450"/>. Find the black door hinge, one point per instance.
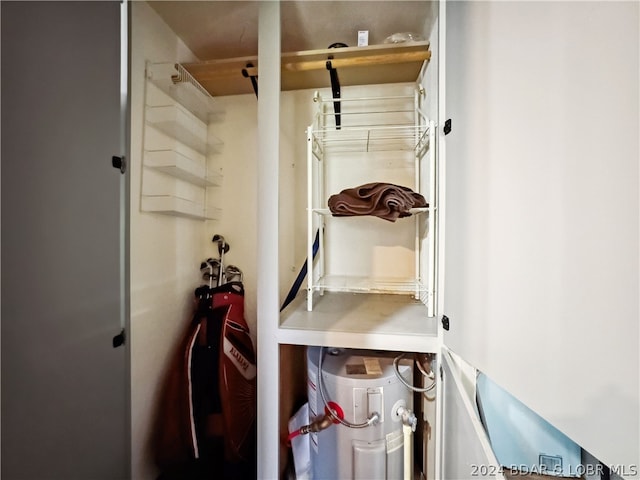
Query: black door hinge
<point x="445" y="322"/>
<point x="120" y="163"/>
<point x="119" y="339"/>
<point x="447" y="127"/>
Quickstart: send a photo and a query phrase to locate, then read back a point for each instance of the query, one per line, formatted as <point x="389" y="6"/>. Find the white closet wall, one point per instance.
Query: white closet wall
<point x="542" y="224"/>
<point x="237" y="196"/>
<point x="165" y="252"/>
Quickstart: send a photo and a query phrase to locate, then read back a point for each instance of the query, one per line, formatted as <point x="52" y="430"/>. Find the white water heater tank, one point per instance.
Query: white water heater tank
<point x="361" y="382"/>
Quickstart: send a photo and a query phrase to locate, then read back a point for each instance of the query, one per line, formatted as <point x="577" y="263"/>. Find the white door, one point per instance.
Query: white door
<point x="542" y="211"/>
<point x="465" y="449"/>
<point x="64" y="386"/>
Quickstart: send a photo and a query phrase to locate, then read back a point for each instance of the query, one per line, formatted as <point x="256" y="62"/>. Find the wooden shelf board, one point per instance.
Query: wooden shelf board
<point x="374" y="64"/>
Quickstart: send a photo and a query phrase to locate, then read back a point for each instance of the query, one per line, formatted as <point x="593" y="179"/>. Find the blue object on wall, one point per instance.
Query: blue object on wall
<point x="520" y="438"/>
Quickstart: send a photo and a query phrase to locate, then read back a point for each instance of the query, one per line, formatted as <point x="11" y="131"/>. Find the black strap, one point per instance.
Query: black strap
<point x="335" y="84"/>
<point x="254" y="78"/>
<point x="303" y="273"/>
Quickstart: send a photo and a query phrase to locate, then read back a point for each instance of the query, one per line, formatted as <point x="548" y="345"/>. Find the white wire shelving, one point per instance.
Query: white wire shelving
<point x="386" y="138"/>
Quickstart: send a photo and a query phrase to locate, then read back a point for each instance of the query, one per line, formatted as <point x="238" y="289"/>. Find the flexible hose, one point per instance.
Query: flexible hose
<point x="422" y="369"/>
<point x="396" y="369"/>
<point x="293" y="435"/>
<point x="370" y="421"/>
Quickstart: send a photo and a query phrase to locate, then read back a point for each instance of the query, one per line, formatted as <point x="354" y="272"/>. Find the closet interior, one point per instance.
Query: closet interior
<point x="356" y="135"/>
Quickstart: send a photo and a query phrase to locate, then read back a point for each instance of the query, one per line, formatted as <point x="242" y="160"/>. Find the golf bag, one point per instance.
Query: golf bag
<point x="208" y="409"/>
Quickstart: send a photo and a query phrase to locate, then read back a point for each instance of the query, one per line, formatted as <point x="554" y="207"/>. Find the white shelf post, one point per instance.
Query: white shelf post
<point x="267" y="241"/>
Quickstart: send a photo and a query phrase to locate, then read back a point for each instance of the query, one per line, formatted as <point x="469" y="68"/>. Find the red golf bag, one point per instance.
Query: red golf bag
<point x="208" y="411"/>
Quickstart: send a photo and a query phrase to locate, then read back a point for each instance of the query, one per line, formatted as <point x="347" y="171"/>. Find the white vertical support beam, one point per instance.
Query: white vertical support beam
<point x="267" y="241"/>
<point x="125" y="212"/>
<point x="433" y="212"/>
<point x="441" y="173"/>
<point x="417" y="187"/>
<point x="310" y="214"/>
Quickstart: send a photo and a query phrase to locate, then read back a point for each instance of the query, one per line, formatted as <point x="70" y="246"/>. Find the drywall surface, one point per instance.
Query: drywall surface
<point x="164" y="250"/>
<point x="236" y="196"/>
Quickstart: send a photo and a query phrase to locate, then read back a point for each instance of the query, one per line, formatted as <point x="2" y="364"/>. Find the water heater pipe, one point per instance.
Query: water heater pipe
<point x="408" y="450"/>
<point x="409" y="423"/>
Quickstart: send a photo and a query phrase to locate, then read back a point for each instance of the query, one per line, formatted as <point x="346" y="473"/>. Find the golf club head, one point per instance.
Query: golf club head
<point x="223" y="246"/>
<point x="210" y="263"/>
<point x="214" y="265"/>
<point x="232" y="273"/>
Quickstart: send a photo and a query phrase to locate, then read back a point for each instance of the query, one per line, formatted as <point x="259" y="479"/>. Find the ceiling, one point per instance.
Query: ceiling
<point x="225" y="29"/>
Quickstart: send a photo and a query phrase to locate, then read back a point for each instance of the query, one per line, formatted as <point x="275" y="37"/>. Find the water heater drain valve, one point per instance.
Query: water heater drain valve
<point x="408" y="417"/>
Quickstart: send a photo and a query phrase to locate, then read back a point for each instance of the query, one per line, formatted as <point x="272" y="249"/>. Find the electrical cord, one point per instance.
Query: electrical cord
<point x="396" y="369"/>
<point x="373" y="419"/>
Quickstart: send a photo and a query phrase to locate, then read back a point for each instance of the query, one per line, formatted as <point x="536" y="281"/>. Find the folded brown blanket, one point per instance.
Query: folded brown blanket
<point x="384" y="200"/>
